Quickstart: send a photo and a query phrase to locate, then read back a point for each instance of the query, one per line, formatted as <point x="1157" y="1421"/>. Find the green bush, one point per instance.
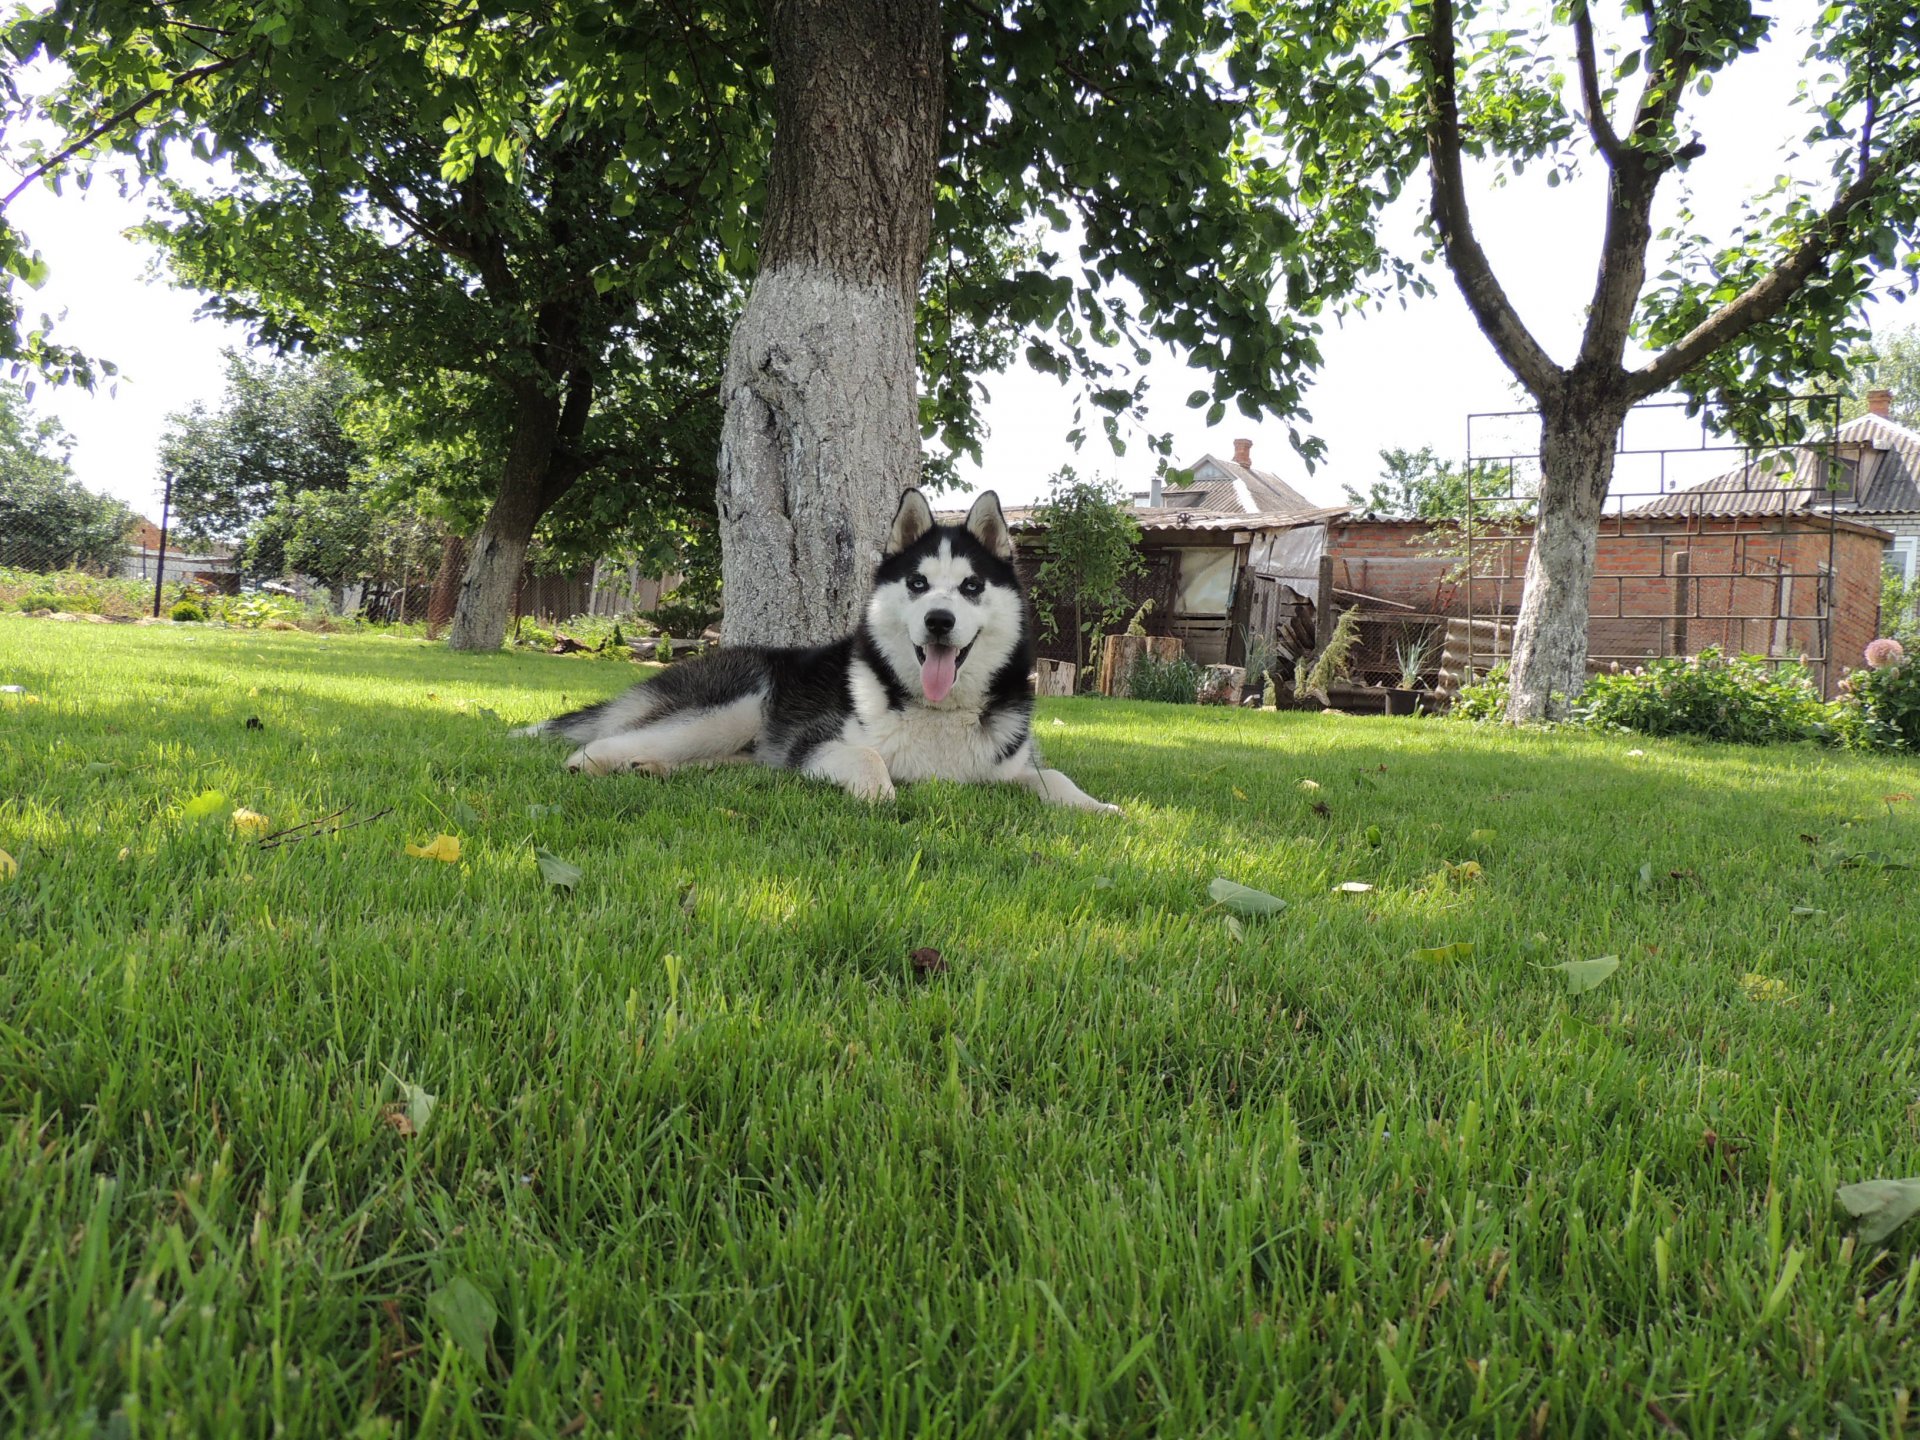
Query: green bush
<point x="60" y="600"/>
<point x="1175" y="681"/>
<point x="1879" y="707"/>
<point x="255" y="610"/>
<point x="1744" y="700"/>
<point x="1485" y="699"/>
<point x="187" y="612"/>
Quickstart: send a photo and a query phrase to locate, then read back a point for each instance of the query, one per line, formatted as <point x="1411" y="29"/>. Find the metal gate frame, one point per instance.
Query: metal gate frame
<point x="1492" y="514"/>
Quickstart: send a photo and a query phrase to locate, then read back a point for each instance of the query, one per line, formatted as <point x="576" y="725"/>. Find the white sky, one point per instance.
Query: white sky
<point x="1395" y="377"/>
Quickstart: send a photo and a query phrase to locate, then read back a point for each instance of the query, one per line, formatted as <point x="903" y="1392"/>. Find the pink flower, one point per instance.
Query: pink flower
<point x="1884" y="652"/>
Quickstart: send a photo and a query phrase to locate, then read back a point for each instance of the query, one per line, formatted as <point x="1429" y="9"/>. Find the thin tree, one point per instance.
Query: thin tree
<point x="1091" y="548"/>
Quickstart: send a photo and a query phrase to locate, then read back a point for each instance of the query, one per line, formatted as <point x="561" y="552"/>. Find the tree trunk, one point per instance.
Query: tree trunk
<point x="1578" y="434"/>
<point x="541" y="465"/>
<point x="821" y="433"/>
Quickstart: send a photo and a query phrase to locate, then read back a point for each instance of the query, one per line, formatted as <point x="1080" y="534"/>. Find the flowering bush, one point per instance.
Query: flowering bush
<point x="1744" y="700"/>
<point x="1879" y="707"/>
<point x="1884" y="652"/>
<point x="1485" y="699"/>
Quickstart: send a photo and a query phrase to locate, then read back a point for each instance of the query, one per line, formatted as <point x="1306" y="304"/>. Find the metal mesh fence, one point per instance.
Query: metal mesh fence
<point x="402" y="570"/>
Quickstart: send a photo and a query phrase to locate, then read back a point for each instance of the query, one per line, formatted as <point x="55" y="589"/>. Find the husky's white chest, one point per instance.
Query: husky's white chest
<point x="920" y="742"/>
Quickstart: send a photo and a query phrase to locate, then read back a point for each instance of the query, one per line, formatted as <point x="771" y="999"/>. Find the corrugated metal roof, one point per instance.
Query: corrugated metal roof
<point x="1888" y="478"/>
<point x="1021" y="519"/>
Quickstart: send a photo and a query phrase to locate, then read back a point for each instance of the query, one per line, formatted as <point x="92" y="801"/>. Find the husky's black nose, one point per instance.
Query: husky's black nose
<point x="939" y="624"/>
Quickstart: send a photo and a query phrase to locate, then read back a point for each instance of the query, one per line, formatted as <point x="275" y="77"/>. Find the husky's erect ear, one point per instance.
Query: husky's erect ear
<point x="913" y="519"/>
<point x="989" y="525"/>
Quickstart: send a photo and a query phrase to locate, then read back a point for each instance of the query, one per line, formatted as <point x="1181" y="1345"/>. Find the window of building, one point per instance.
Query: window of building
<point x="1902" y="558"/>
<point x="1206" y="582"/>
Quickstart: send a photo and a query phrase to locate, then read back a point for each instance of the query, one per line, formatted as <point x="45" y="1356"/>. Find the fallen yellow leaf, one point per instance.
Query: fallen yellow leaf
<point x="1763" y="987"/>
<point x="1309" y="785"/>
<point x="1238" y="793"/>
<point x="249" y="822"/>
<point x="9" y="867"/>
<point x="445" y="848"/>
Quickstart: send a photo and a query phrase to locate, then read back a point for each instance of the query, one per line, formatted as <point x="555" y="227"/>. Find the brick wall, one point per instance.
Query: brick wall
<point x="1749" y="585"/>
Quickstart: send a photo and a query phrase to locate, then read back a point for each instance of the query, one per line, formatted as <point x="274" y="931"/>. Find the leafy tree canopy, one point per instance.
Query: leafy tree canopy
<point x="1887" y="362"/>
<point x="1090" y="548"/>
<point x="48" y="520"/>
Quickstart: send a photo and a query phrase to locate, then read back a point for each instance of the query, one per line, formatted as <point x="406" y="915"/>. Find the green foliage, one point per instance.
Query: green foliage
<point x="1413" y="652"/>
<point x="73" y="602"/>
<point x="1415" y="484"/>
<point x="78" y="590"/>
<point x="256" y="609"/>
<point x="1886" y="362"/>
<point x="1090" y="549"/>
<point x="1331" y="665"/>
<point x="1879" y="708"/>
<point x="1260" y="651"/>
<point x="1900" y="609"/>
<point x="187" y="612"/>
<point x="276" y="438"/>
<point x="1485" y="699"/>
<point x="48" y="520"/>
<point x="1174" y="682"/>
<point x="526" y="226"/>
<point x="1745" y="700"/>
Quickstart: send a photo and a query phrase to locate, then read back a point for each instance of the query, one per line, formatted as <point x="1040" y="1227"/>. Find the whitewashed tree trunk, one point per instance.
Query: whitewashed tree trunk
<point x="821" y="435"/>
<point x="821" y="432"/>
<point x="1549" y="664"/>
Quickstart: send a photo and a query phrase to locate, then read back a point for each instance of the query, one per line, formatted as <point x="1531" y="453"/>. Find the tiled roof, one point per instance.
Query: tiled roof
<point x="1889" y="478"/>
<point x="1020" y="518"/>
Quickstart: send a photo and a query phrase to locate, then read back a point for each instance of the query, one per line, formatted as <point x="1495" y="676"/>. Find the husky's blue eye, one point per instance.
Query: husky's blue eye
<point x="917" y="584"/>
<point x="972" y="586"/>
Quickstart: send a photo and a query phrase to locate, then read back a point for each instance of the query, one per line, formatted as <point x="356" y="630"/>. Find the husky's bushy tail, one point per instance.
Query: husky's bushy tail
<point x="709" y="682"/>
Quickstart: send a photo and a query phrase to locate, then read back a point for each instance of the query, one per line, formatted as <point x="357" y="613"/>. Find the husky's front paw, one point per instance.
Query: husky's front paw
<point x="874" y="789"/>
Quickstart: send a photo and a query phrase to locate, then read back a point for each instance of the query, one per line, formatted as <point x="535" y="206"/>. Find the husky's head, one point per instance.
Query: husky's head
<point x="946" y="611"/>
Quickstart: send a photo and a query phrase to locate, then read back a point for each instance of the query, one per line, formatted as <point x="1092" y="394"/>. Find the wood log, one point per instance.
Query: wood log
<point x="1221" y="685"/>
<point x="1053" y="677"/>
<point x="1120" y="653"/>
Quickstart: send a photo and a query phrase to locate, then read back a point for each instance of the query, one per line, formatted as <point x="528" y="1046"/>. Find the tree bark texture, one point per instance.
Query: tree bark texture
<point x="541" y="464"/>
<point x="821" y="433"/>
<point x="1578" y="433"/>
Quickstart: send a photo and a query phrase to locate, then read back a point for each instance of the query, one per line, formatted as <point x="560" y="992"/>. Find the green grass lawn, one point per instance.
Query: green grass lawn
<point x="705" y="1152"/>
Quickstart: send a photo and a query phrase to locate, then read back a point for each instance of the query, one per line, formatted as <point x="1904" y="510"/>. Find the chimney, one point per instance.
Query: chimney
<point x="1243" y="453"/>
<point x="1880" y="402"/>
<point x="1153" y="490"/>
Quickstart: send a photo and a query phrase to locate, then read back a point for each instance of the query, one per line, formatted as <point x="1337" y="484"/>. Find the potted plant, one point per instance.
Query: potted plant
<point x="1411" y="653"/>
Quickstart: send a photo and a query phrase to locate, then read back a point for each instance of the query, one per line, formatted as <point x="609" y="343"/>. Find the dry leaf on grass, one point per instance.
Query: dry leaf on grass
<point x="248" y="822"/>
<point x="444" y="848"/>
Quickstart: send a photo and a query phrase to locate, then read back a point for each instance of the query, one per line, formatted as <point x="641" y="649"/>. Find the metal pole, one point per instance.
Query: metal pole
<point x="160" y="564"/>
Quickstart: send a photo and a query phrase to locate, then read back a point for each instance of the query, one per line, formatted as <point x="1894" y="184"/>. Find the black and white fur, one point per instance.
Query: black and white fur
<point x="855" y="711"/>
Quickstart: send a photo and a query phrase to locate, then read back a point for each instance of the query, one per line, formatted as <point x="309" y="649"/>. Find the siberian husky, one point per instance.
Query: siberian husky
<point x="933" y="685"/>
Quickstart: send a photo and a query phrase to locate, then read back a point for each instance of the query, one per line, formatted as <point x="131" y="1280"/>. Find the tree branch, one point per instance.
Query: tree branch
<point x="1598" y="125"/>
<point x="113" y="122"/>
<point x="1473" y="273"/>
<point x="1769" y="295"/>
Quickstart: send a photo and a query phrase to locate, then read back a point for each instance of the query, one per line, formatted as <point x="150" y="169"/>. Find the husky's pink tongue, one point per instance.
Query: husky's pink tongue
<point x="936" y="672"/>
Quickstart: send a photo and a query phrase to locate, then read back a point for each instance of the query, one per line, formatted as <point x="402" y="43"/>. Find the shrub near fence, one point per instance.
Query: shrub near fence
<point x="81" y="592"/>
